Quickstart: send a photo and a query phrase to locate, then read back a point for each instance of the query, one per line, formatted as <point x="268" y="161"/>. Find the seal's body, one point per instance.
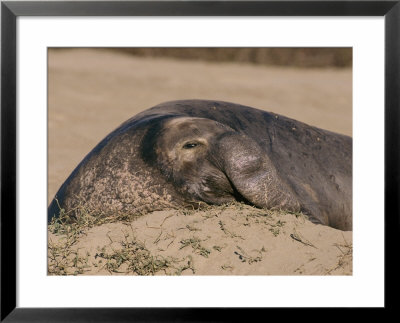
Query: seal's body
<point x="184" y="153"/>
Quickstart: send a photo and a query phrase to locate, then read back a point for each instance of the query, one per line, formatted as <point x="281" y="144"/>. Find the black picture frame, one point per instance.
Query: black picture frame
<point x="11" y="10"/>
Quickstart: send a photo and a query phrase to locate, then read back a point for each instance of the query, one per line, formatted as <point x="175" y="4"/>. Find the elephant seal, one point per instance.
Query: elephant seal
<point x="185" y="153"/>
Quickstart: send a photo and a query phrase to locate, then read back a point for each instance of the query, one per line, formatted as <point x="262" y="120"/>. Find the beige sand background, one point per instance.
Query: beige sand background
<point x="92" y="91"/>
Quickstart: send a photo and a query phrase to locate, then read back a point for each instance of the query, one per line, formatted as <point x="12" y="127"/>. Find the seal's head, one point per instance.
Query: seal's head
<point x="187" y="156"/>
<point x="210" y="162"/>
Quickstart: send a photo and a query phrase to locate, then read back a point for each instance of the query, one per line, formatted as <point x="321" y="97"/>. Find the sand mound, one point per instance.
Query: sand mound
<point x="225" y="240"/>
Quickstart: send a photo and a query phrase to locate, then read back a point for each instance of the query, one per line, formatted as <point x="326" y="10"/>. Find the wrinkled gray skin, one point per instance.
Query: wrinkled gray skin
<point x="183" y="153"/>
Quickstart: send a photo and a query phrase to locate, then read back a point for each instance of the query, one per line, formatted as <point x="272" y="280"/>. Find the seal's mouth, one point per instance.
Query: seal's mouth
<point x="216" y="192"/>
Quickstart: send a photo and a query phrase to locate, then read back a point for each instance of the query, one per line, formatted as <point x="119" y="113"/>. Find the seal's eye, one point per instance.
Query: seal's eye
<point x="190" y="145"/>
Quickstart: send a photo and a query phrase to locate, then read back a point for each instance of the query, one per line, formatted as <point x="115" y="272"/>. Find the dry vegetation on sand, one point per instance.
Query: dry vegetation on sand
<point x="233" y="239"/>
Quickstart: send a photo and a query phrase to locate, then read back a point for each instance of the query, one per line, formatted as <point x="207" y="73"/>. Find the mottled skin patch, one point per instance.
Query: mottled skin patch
<point x="185" y="153"/>
<point x="117" y="180"/>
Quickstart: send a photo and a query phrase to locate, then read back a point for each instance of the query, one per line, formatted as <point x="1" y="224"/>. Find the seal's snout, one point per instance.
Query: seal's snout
<point x="252" y="175"/>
